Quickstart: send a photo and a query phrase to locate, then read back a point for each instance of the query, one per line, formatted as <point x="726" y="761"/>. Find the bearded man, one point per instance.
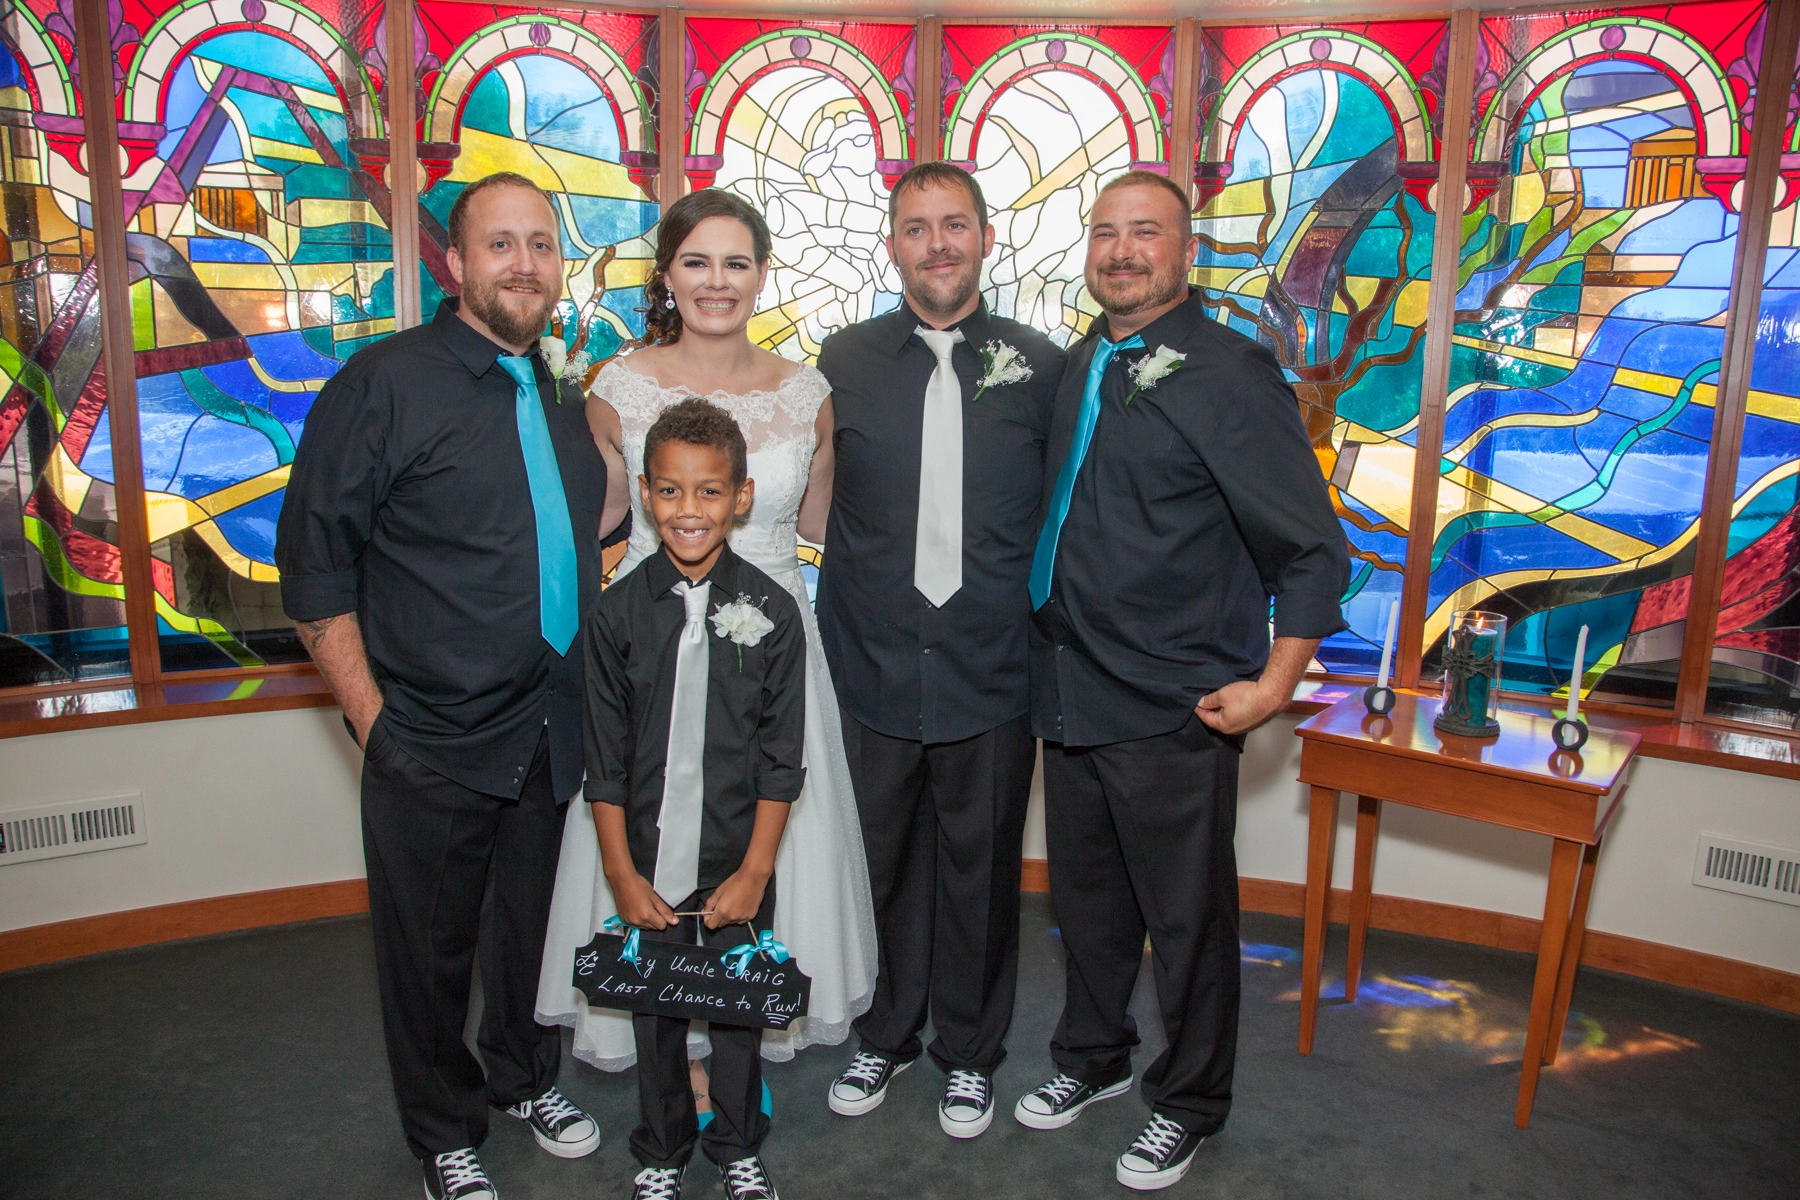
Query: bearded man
<point x="438" y="546"/>
<point x="1183" y="496"/>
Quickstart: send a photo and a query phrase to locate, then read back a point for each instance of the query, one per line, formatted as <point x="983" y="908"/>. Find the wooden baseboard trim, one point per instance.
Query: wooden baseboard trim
<point x="170" y="922"/>
<point x="1608" y="951"/>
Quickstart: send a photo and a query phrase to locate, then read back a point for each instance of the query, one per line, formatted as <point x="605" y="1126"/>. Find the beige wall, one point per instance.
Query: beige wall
<point x="268" y="800"/>
<point x="233" y="804"/>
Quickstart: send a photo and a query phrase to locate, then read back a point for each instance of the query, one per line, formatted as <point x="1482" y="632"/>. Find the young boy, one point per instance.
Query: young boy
<point x="694" y="735"/>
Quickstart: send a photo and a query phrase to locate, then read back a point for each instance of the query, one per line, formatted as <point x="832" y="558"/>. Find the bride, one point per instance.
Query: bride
<point x="712" y="256"/>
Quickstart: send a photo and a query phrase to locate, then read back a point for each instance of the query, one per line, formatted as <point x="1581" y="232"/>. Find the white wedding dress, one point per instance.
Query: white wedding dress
<point x="823" y="913"/>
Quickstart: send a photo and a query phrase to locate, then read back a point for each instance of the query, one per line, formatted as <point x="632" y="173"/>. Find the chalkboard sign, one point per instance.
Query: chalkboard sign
<point x="697" y="983"/>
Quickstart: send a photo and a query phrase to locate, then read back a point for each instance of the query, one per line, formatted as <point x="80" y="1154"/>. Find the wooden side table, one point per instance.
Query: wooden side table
<point x="1519" y="780"/>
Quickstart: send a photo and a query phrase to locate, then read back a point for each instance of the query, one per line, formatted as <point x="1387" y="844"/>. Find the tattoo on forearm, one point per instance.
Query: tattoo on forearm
<point x="311" y="631"/>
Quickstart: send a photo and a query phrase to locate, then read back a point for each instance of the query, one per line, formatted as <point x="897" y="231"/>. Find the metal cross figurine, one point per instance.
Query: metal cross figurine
<point x="1461" y="663"/>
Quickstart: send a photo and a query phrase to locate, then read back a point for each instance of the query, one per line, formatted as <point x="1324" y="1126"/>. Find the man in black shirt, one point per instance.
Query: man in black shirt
<point x="696" y="731"/>
<point x="1182" y="496"/>
<point x="941" y="411"/>
<point x="438" y="543"/>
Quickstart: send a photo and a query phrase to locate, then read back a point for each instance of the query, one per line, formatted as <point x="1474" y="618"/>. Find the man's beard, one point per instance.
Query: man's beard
<point x="507" y="323"/>
<point x="1161" y="291"/>
<point x="945" y="297"/>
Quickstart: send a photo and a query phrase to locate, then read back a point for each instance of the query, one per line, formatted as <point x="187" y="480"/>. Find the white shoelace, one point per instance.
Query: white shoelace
<point x="552" y="1107"/>
<point x="1058" y="1090"/>
<point x="657" y="1183"/>
<point x="971" y="1086"/>
<point x="461" y="1168"/>
<point x="865" y="1068"/>
<point x="1159" y="1139"/>
<point x="744" y="1178"/>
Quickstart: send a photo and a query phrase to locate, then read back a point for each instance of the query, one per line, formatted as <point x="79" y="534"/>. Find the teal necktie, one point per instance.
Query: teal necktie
<point x="1043" y="561"/>
<point x="558" y="609"/>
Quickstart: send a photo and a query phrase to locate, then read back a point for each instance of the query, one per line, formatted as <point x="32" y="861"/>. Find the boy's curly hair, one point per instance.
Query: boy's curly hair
<point x="697" y="422"/>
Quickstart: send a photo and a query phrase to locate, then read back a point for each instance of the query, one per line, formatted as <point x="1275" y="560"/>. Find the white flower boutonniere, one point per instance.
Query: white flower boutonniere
<point x="1148" y="372"/>
<point x="556" y="354"/>
<point x="562" y="364"/>
<point x="1001" y="364"/>
<point x="744" y="622"/>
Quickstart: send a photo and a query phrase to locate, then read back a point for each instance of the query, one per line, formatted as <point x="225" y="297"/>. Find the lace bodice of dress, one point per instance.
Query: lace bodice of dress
<point x="778" y="430"/>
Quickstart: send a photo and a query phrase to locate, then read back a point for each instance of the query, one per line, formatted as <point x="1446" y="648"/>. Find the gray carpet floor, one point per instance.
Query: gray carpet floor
<point x="251" y="1065"/>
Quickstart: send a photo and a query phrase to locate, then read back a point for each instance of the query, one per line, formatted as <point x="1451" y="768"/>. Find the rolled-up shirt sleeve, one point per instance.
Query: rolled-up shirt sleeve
<point x="782" y="733"/>
<point x="340" y="478"/>
<point x="1256" y="448"/>
<point x="607" y="711"/>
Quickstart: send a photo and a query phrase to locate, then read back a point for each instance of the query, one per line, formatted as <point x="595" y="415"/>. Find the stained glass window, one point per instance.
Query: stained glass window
<point x="1607" y="158"/>
<point x="1756" y="648"/>
<point x="256" y="228"/>
<point x="810" y="122"/>
<point x="1042" y="114"/>
<point x="62" y="618"/>
<point x="565" y="97"/>
<point x="1315" y="176"/>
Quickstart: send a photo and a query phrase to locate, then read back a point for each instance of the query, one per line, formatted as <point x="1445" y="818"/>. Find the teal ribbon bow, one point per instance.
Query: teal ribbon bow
<point x="737" y="959"/>
<point x="630" y="953"/>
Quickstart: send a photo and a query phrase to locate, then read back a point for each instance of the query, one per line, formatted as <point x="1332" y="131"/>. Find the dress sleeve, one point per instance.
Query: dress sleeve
<point x="340" y="478"/>
<point x="782" y="734"/>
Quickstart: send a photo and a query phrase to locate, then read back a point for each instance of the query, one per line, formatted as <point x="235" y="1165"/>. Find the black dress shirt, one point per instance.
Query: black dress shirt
<point x="409" y="506"/>
<point x="755" y="708"/>
<point x="901" y="666"/>
<point x="1194" y="506"/>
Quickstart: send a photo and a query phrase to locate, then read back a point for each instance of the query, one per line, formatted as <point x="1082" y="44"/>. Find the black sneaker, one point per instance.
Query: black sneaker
<point x="968" y="1105"/>
<point x="1060" y="1100"/>
<point x="1160" y="1156"/>
<point x="559" y="1126"/>
<point x="863" y="1085"/>
<point x="657" y="1183"/>
<point x="457" y="1175"/>
<point x="746" y="1179"/>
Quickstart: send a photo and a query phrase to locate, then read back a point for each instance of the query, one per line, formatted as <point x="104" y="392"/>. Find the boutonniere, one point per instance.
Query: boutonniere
<point x="1148" y="372"/>
<point x="562" y="364"/>
<point x="744" y="622"/>
<point x="1001" y="364"/>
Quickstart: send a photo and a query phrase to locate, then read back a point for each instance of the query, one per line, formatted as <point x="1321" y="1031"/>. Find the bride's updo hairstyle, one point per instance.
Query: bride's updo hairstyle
<point x="662" y="322"/>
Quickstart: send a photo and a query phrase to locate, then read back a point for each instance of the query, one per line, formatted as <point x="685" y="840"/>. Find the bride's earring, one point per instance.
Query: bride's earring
<point x="669" y="302"/>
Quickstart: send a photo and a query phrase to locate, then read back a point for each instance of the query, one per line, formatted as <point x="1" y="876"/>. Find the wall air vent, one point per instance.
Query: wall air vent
<point x="1748" y="869"/>
<point x="72" y="827"/>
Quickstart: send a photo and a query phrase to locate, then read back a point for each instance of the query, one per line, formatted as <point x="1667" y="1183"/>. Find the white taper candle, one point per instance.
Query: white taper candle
<point x="1575" y="679"/>
<point x="1387" y="646"/>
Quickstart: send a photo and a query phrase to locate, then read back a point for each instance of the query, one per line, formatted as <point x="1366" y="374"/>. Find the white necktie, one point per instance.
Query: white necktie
<point x="937" y="554"/>
<point x="684" y="780"/>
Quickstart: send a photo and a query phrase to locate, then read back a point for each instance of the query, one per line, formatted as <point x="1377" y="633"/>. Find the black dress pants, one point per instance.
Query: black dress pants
<point x="943" y="826"/>
<point x="666" y="1135"/>
<point x="451" y="870"/>
<point x="1140" y="839"/>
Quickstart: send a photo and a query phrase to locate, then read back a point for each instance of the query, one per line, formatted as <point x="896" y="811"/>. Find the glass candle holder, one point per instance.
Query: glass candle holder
<point x="1474" y="650"/>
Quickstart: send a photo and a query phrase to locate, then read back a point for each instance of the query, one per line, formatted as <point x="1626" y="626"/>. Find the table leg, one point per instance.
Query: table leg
<point x="1368" y="824"/>
<point x="1321" y="842"/>
<point x="1565" y="859"/>
<point x="1571" y="955"/>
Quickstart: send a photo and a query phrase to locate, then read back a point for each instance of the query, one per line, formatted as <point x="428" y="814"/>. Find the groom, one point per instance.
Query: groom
<point x="942" y="411"/>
